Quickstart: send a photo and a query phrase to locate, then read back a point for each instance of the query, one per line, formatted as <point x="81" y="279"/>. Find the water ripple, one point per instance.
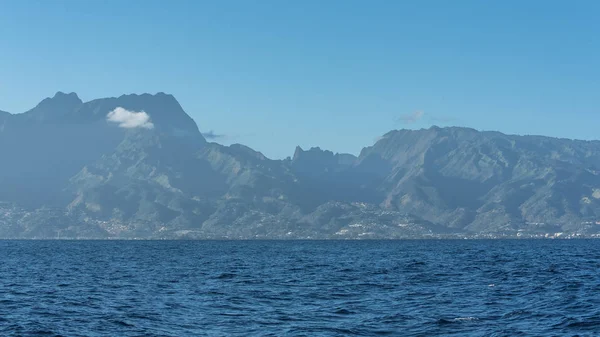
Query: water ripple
<point x="266" y="288"/>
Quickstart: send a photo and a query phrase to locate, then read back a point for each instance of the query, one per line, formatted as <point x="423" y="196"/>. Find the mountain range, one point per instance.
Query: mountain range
<point x="137" y="166"/>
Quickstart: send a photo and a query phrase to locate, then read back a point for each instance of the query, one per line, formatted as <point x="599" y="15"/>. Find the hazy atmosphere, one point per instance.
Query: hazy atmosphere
<point x="334" y="74"/>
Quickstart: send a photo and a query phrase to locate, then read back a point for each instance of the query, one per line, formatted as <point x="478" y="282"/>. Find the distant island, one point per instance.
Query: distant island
<point x="137" y="166"/>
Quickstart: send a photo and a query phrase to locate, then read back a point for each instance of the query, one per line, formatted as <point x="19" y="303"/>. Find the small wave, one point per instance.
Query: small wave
<point x="233" y="314"/>
<point x="44" y="333"/>
<point x="123" y="323"/>
<point x="516" y="313"/>
<point x="346" y="270"/>
<point x="416" y="263"/>
<point x="343" y="312"/>
<point x="584" y="324"/>
<point x="572" y="323"/>
<point x="444" y="321"/>
<point x="226" y="276"/>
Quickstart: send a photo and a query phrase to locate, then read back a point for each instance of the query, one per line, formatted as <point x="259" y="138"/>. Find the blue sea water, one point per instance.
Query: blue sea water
<point x="300" y="288"/>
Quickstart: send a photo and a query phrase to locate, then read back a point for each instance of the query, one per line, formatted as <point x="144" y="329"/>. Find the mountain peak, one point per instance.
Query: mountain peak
<point x="159" y="96"/>
<point x="317" y="161"/>
<point x="63" y="95"/>
<point x="133" y="94"/>
<point x="159" y="103"/>
<point x="298" y="152"/>
<point x="62" y="98"/>
<point x="164" y="110"/>
<point x="56" y="107"/>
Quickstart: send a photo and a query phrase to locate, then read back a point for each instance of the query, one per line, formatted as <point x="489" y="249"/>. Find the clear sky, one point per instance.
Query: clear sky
<point x="334" y="74"/>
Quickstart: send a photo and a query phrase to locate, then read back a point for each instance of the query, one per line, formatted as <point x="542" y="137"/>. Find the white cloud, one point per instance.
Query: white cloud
<point x="412" y="117"/>
<point x="130" y="119"/>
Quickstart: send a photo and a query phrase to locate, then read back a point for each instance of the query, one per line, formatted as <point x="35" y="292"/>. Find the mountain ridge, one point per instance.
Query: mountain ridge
<point x="150" y="173"/>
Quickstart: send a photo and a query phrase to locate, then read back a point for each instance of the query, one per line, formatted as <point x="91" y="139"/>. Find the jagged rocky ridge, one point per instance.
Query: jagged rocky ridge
<point x="68" y="172"/>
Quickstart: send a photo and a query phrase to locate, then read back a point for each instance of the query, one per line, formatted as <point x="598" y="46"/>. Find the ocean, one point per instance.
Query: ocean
<point x="300" y="288"/>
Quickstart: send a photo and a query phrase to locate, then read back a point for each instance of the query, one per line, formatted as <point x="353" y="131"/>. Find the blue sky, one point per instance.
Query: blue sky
<point x="334" y="74"/>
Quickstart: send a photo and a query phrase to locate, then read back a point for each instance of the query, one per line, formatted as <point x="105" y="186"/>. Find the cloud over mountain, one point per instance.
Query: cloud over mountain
<point x="211" y="134"/>
<point x="411" y="117"/>
<point x="130" y="119"/>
